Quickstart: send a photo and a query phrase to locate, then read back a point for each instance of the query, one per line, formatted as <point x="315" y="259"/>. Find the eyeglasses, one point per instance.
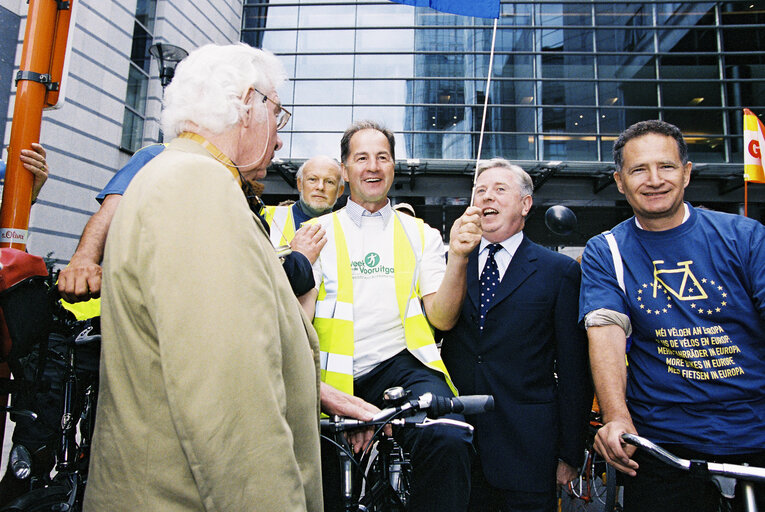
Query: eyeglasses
<point x="284" y="115"/>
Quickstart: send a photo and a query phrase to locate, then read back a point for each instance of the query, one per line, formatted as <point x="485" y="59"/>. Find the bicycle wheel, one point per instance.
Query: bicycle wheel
<point x="47" y="499"/>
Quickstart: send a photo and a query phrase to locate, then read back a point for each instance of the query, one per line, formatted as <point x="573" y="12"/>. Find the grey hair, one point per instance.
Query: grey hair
<point x="299" y="174"/>
<point x="525" y="183"/>
<point x="209" y="85"/>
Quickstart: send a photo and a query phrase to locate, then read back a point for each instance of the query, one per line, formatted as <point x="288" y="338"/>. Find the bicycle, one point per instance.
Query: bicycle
<point x="595" y="488"/>
<point x="54" y="393"/>
<point x="384" y="467"/>
<point x="725" y="476"/>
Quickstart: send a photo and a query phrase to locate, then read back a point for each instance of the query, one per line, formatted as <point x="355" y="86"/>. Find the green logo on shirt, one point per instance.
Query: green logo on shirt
<point x="372" y="259"/>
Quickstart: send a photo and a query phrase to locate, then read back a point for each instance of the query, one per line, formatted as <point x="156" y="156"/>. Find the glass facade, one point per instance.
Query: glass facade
<point x="567" y="77"/>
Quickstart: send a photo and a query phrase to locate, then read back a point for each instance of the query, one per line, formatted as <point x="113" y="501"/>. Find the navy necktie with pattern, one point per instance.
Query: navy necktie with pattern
<point x="489" y="281"/>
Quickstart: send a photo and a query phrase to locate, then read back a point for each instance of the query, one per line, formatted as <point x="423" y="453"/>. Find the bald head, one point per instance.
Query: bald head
<point x="320" y="182"/>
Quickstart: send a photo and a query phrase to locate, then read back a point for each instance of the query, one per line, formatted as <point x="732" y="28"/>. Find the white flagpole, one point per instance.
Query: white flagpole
<point x="485" y="107"/>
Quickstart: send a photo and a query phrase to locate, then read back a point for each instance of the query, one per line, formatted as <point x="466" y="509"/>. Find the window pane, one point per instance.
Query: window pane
<point x="383" y="66"/>
<point x="624" y="40"/>
<point x="631" y="94"/>
<point x="394" y="92"/>
<point x="136" y="90"/>
<point x="327" y="16"/>
<point x="391" y="117"/>
<point x="616" y="120"/>
<point x="324" y="66"/>
<point x="568" y="93"/>
<point x="324" y="92"/>
<point x="132" y="131"/>
<point x="325" y="40"/>
<point x="279" y="40"/>
<point x="623" y="15"/>
<point x="321" y="118"/>
<point x="555" y="65"/>
<point x="565" y="147"/>
<point x="307" y="145"/>
<point x="387" y="40"/>
<point x="685" y="13"/>
<point x="557" y="119"/>
<point x="696" y="121"/>
<point x="385" y="15"/>
<point x="144" y="13"/>
<point x="139" y="53"/>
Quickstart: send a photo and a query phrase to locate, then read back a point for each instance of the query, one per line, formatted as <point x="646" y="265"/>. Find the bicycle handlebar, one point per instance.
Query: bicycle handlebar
<point x="435" y="406"/>
<point x="713" y="468"/>
<point x="440" y="405"/>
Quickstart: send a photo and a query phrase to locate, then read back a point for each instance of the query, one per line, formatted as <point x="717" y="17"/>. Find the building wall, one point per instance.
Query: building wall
<point x="9" y="20"/>
<point x="83" y="136"/>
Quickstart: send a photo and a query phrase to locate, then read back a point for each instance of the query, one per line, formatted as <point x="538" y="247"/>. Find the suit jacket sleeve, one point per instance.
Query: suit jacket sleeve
<point x="299" y="272"/>
<point x="574" y="384"/>
<point x="220" y="342"/>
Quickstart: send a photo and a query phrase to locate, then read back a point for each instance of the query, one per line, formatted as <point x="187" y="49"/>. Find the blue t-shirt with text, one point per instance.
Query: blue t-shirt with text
<point x="695" y="296"/>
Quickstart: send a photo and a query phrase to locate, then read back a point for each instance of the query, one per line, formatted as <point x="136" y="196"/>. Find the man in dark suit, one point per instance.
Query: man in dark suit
<point x="518" y="339"/>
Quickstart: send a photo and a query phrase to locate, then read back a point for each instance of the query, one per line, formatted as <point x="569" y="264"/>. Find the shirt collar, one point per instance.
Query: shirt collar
<point x="355" y="212"/>
<point x="510" y="245"/>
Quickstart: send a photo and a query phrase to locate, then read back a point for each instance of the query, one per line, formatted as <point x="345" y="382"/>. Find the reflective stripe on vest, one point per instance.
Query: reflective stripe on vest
<point x="333" y="319"/>
<point x="282" y="217"/>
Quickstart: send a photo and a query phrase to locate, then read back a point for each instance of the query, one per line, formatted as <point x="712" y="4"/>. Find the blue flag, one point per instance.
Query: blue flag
<point x="479" y="8"/>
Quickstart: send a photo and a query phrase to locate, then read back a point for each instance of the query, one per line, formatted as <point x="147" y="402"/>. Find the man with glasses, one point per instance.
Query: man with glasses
<point x="81" y="279"/>
<point x="208" y="394"/>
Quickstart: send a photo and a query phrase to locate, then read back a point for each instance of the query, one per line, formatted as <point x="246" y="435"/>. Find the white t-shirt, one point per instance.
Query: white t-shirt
<point x="378" y="331"/>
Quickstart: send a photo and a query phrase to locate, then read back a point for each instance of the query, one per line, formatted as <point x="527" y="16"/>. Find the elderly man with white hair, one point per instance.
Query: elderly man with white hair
<point x="205" y="405"/>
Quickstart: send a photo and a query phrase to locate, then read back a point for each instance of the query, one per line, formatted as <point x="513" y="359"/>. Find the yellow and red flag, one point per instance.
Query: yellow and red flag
<point x="754" y="144"/>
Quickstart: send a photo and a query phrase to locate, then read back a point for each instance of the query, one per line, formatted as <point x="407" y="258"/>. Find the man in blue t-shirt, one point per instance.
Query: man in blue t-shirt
<point x="687" y="287"/>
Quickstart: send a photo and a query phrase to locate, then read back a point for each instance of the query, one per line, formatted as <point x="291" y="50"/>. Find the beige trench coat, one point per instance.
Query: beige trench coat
<point x="209" y="388"/>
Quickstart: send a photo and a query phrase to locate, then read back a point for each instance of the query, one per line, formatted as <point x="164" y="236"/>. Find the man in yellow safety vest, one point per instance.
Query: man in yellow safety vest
<point x="378" y="276"/>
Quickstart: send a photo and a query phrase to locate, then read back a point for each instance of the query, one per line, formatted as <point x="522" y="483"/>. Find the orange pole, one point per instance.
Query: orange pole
<point x="27" y="115"/>
<point x="36" y="57"/>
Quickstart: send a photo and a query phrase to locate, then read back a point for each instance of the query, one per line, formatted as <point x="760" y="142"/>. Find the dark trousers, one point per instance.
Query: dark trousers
<point x="440" y="454"/>
<point x="486" y="498"/>
<point x="659" y="487"/>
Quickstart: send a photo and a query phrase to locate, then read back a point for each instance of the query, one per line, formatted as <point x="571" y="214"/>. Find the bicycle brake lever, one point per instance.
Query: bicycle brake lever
<point x="427" y="422"/>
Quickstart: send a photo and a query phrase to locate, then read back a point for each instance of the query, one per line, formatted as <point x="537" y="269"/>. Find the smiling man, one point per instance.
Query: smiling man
<point x="517" y="329"/>
<point x="378" y="277"/>
<point x="687" y="287"/>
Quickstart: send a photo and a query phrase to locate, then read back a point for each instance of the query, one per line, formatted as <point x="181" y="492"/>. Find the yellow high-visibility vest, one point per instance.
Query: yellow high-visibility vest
<point x="84" y="310"/>
<point x="285" y="224"/>
<point x="333" y="319"/>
